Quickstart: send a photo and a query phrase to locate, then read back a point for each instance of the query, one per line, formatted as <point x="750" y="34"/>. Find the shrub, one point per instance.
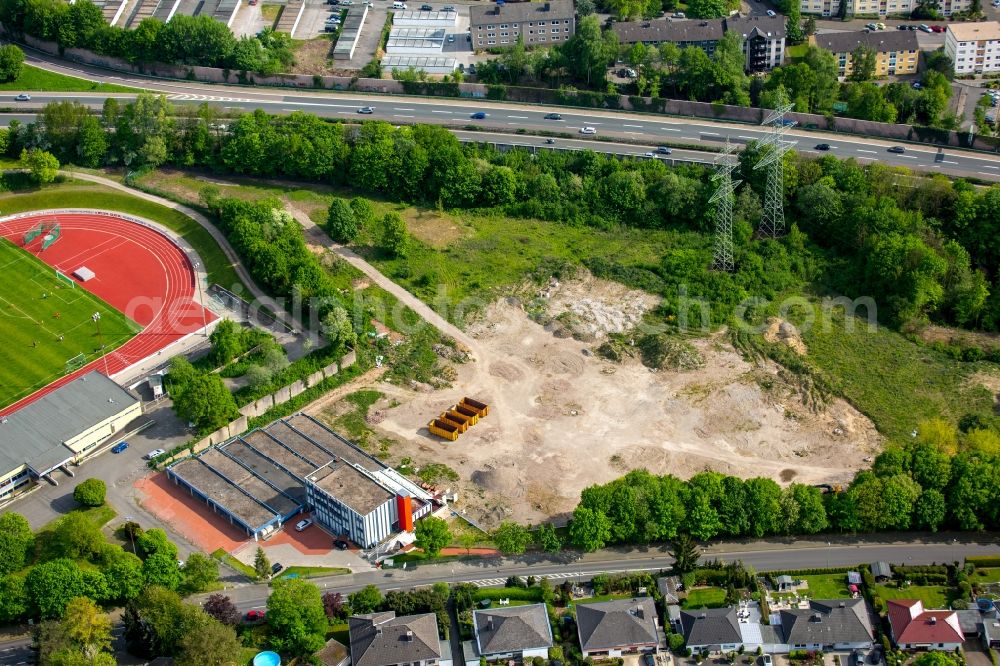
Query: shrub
<point x="90" y="492"/>
<point x="676" y="642"/>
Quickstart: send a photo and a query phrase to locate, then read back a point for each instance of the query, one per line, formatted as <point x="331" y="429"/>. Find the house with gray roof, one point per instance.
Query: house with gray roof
<point x="712" y="629"/>
<point x="669" y="587"/>
<point x="383" y="639"/>
<point x="512" y="632"/>
<point x="840" y="624"/>
<point x="614" y="628"/>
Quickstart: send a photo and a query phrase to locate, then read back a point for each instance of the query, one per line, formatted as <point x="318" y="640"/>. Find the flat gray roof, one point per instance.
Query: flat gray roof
<point x="417" y="33"/>
<point x="259" y="440"/>
<point x="197" y="474"/>
<point x="352" y="487"/>
<point x="244" y="480"/>
<point x="265" y="469"/>
<point x="36" y="433"/>
<point x="417" y="61"/>
<point x="338" y="446"/>
<point x="299" y="443"/>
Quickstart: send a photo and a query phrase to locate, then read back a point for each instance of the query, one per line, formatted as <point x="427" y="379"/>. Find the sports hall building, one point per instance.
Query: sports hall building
<point x="261" y="480"/>
<point x="64" y="427"/>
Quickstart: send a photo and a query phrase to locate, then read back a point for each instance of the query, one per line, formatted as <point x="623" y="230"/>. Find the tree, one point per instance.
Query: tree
<point x="333" y="605"/>
<point x="43" y="166"/>
<point x="155" y="541"/>
<point x="364" y="212"/>
<point x="50" y="586"/>
<point x="588" y="52"/>
<point x="209" y="643"/>
<point x="222" y="608"/>
<point x="511" y="538"/>
<point x="708" y="8"/>
<point x="366" y="600"/>
<point x="90" y="492"/>
<point x="863" y="65"/>
<point x="432" y="535"/>
<point x="338" y="330"/>
<point x="206" y="402"/>
<point x="341" y="222"/>
<point x="261" y="565"/>
<point x="156" y="622"/>
<point x="162" y="569"/>
<point x="227" y="341"/>
<point x="199" y="573"/>
<point x="547" y="538"/>
<point x="394" y="237"/>
<point x="296" y="617"/>
<point x="124" y="578"/>
<point x="76" y="537"/>
<point x="11" y="61"/>
<point x="935" y="658"/>
<point x="929" y="510"/>
<point x="684" y="550"/>
<point x="589" y="530"/>
<point x="84" y="631"/>
<point x="16" y="541"/>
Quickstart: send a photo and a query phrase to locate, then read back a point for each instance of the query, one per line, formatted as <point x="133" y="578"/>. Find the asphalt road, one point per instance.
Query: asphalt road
<point x="503" y="117"/>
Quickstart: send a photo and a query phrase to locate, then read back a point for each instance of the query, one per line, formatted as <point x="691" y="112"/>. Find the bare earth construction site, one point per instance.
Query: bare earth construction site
<point x="562" y="418"/>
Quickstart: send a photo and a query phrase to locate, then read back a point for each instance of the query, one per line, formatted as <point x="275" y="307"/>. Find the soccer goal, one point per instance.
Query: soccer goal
<point x="32" y="234"/>
<point x="65" y="278"/>
<point x="51" y="236"/>
<point x="76" y="363"/>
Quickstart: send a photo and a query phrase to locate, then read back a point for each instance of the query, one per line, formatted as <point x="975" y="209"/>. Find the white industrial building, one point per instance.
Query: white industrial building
<point x="415" y="41"/>
<point x="416" y="19"/>
<point x="974" y="48"/>
<point x="429" y="64"/>
<point x="879" y="7"/>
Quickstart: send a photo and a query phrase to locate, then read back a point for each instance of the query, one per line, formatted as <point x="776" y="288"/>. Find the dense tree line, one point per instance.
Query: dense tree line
<point x="943" y="479"/>
<point x="924" y="246"/>
<point x="185" y="40"/>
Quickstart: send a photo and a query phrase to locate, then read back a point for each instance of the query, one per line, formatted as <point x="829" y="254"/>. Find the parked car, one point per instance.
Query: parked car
<point x="254" y="615"/>
<point x="451" y="38"/>
<point x="770" y="12"/>
<point x="478" y="115"/>
<point x="333" y="2"/>
<point x="663" y="150"/>
<point x="871" y="26"/>
<point x="276" y="568"/>
<point x="902" y="26"/>
<point x="588" y="130"/>
<point x="340" y="544"/>
<point x="154" y="453"/>
<point x="119" y="447"/>
<point x="880" y="26"/>
<point x="899" y="150"/>
<point x="367" y="110"/>
<point x="925" y="28"/>
<point x="648" y="660"/>
<point x="426" y="8"/>
<point x="938" y="28"/>
<point x="23" y="98"/>
<point x="303" y="524"/>
<point x="448" y="8"/>
<point x="822" y="146"/>
<point x="553" y="116"/>
<point x="766" y="660"/>
<point x="346" y="3"/>
<point x="680" y="15"/>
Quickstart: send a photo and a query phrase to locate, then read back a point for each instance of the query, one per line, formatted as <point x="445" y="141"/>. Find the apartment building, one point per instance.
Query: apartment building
<point x="876" y="7"/>
<point x="763" y="36"/>
<point x="896" y="51"/>
<point x="498" y="25"/>
<point x="974" y="48"/>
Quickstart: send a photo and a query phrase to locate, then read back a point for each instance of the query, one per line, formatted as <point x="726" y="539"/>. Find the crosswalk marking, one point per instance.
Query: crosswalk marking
<point x="181" y="97"/>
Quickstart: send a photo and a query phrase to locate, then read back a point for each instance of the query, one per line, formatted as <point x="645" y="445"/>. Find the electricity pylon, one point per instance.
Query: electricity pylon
<point x="725" y="190"/>
<point x="772" y="221"/>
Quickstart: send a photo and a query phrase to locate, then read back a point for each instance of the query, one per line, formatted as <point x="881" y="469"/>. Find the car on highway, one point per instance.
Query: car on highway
<point x="553" y="116"/>
<point x="899" y="150"/>
<point x="23" y="98"/>
<point x="478" y="115"/>
<point x="770" y="12"/>
<point x="550" y="141"/>
<point x="663" y="150"/>
<point x="154" y="453"/>
<point x="588" y="130"/>
<point x="822" y="146"/>
<point x="649" y="154"/>
<point x="255" y="615"/>
<point x="119" y="447"/>
<point x="340" y="544"/>
<point x="367" y="110"/>
<point x="303" y="524"/>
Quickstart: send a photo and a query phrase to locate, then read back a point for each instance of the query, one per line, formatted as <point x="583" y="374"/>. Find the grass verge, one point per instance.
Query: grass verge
<point x="224" y="557"/>
<point x="33" y="78"/>
<point x="313" y="572"/>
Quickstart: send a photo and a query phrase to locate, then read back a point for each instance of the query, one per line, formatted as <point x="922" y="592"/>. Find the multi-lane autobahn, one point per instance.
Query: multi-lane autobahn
<point x="646" y="131"/>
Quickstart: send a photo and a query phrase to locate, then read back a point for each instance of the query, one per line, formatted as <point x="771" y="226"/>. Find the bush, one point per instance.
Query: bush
<point x="516" y="593"/>
<point x="676" y="642"/>
<point x="90" y="492"/>
<point x="984" y="560"/>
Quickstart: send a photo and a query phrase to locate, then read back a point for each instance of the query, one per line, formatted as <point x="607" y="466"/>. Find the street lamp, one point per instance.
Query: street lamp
<point x="96" y="318"/>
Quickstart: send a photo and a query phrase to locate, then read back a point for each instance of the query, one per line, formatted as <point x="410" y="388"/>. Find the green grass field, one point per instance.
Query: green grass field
<point x="44" y="323"/>
<point x="933" y="596"/>
<point x="33" y="78"/>
<point x="705" y="597"/>
<point x="827" y="586"/>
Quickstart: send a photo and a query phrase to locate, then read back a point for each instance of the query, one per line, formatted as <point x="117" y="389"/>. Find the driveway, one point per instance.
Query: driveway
<point x="975" y="655"/>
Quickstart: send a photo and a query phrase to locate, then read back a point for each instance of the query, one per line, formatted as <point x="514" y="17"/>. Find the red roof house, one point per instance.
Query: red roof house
<point x="916" y="628"/>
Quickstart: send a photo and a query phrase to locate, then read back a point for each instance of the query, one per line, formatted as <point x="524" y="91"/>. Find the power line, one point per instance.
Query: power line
<point x="725" y="190"/>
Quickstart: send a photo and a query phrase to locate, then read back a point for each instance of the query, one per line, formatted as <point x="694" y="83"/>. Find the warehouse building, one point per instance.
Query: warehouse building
<point x="261" y="480"/>
<point x="429" y="64"/>
<point x="415" y="41"/>
<point x="65" y="426"/>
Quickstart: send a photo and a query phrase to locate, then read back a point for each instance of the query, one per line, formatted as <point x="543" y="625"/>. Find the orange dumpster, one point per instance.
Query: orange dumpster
<point x="443" y="429"/>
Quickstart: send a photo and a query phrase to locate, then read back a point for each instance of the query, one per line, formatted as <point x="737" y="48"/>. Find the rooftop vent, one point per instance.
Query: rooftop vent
<point x="409" y="636"/>
<point x="932" y="620"/>
<point x="842" y="605"/>
<point x="816" y="617"/>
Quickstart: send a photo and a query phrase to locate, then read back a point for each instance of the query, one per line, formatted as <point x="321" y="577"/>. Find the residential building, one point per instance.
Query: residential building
<point x="896" y="51"/>
<point x="669" y="587"/>
<point x="785" y="583"/>
<point x="500" y="24"/>
<point x="62" y="427"/>
<point x="383" y="639"/>
<point x="512" y="632"/>
<point x="614" y="628"/>
<point x="876" y="7"/>
<point x="974" y="48"/>
<point x="914" y="628"/>
<point x="839" y="624"/>
<point x="763" y="40"/>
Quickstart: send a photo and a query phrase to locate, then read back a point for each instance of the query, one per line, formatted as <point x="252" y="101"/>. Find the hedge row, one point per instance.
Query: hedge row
<point x="922" y="569"/>
<point x="984" y="560"/>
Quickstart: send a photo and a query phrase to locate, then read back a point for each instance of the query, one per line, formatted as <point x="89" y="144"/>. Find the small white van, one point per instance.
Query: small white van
<point x="399" y="5"/>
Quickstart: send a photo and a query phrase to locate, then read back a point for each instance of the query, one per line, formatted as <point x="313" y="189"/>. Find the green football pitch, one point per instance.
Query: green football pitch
<point x="46" y="325"/>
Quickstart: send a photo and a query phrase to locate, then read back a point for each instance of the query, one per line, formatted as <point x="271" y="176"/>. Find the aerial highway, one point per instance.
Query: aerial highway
<point x="645" y="130"/>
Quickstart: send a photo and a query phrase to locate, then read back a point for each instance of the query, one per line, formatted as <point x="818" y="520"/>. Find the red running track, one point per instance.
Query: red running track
<point x="139" y="272"/>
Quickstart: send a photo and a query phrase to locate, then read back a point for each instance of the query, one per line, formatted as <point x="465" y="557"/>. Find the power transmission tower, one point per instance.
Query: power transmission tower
<point x="723" y="200"/>
<point x="772" y="222"/>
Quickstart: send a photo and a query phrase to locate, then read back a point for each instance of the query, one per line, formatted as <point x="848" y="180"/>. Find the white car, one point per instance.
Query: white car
<point x="770" y="12"/>
<point x="588" y="130"/>
<point x="649" y="154"/>
<point x="766" y="660"/>
<point x="23" y="98"/>
<point x="303" y="524"/>
<point x="154" y="453"/>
